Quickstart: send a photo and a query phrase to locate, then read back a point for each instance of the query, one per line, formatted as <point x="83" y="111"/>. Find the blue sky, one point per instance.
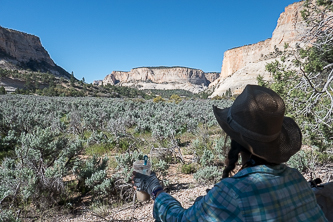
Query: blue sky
<point x="94" y="38"/>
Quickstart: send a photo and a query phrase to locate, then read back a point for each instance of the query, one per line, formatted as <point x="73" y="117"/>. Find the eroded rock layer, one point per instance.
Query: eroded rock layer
<point x="20" y="50"/>
<point x="242" y="65"/>
<point x="194" y="80"/>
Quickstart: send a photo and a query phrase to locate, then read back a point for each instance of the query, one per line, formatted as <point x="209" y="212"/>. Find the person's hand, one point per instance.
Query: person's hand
<point x="146" y="183"/>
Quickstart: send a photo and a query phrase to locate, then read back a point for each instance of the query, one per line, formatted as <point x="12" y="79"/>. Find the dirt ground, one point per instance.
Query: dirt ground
<point x="186" y="190"/>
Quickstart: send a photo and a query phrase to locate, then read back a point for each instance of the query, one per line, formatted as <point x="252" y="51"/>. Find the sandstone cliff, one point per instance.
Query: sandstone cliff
<point x="212" y="76"/>
<point x="20" y="50"/>
<point x="97" y="82"/>
<point x="242" y="65"/>
<point x="194" y="80"/>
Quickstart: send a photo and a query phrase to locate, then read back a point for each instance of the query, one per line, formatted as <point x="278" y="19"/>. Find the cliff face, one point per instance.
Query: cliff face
<point x="242" y="65"/>
<point x="20" y="50"/>
<point x="212" y="76"/>
<point x="162" y="78"/>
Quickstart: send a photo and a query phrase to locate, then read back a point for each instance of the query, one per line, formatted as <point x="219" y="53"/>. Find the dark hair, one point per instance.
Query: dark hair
<point x="233" y="156"/>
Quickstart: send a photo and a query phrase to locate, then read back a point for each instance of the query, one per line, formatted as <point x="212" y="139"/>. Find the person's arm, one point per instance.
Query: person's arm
<point x="220" y="204"/>
<point x="158" y="193"/>
<point x="151" y="185"/>
<point x="167" y="208"/>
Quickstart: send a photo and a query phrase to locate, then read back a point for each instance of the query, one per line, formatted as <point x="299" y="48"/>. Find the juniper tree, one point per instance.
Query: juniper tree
<point x="306" y="84"/>
<point x="2" y="90"/>
<point x="72" y="79"/>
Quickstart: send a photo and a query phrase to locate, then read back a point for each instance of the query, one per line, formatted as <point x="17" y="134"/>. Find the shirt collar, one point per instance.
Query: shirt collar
<point x="276" y="169"/>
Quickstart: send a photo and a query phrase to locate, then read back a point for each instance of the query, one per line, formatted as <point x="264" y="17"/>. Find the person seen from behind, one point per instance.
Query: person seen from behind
<point x="264" y="189"/>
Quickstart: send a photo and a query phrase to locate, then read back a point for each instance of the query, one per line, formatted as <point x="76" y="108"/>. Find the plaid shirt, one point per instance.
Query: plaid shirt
<point x="259" y="193"/>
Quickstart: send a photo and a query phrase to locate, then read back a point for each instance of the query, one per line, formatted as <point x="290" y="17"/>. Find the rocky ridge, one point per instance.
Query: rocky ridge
<point x="22" y="51"/>
<point x="194" y="80"/>
<point x="242" y="65"/>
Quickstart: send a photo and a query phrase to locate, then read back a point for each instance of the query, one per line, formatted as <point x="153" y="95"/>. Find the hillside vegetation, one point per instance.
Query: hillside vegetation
<point x="55" y="151"/>
<point x="46" y="84"/>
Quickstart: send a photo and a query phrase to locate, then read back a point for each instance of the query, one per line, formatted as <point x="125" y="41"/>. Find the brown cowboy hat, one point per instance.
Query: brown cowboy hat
<point x="256" y="120"/>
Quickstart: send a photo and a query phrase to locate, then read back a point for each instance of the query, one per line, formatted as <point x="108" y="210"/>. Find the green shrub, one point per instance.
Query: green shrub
<point x="113" y="163"/>
<point x="175" y="98"/>
<point x="158" y="99"/>
<point x="161" y="169"/>
<point x="97" y="149"/>
<point x="35" y="173"/>
<point x="99" y="144"/>
<point x="217" y="97"/>
<point x="198" y="146"/>
<point x="324" y="157"/>
<point x="188" y="168"/>
<point x="2" y="90"/>
<point x="8" y="216"/>
<point x="304" y="161"/>
<point x="91" y="173"/>
<point x="207" y="158"/>
<point x="125" y="163"/>
<point x="221" y="148"/>
<point x="208" y="175"/>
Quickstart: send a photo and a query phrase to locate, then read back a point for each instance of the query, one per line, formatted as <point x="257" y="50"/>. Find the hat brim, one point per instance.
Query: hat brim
<point x="277" y="151"/>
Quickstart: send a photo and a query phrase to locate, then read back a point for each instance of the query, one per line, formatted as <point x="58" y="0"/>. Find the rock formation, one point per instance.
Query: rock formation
<point x="20" y="50"/>
<point x="97" y="82"/>
<point x="242" y="65"/>
<point x="194" y="80"/>
<point x="212" y="76"/>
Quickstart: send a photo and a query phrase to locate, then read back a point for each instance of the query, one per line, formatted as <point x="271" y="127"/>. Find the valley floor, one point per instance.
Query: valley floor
<point x="184" y="189"/>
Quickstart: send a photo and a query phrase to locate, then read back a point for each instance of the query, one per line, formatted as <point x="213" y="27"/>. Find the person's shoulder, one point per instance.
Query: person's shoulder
<point x="292" y="172"/>
<point x="295" y="176"/>
<point x="233" y="184"/>
<point x="227" y="187"/>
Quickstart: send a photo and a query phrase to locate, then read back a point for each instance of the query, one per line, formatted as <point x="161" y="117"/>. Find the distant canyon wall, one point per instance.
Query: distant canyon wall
<point x="162" y="78"/>
<point x="242" y="65"/>
<point x="21" y="51"/>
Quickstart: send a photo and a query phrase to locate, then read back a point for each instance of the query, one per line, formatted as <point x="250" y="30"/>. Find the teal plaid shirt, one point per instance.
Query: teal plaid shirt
<point x="259" y="193"/>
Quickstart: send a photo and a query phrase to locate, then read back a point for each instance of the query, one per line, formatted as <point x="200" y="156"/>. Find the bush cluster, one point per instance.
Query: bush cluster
<point x="44" y="141"/>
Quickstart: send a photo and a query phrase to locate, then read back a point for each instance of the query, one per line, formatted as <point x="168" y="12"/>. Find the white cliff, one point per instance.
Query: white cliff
<point x="242" y="65"/>
<point x="20" y="51"/>
<point x="194" y="80"/>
